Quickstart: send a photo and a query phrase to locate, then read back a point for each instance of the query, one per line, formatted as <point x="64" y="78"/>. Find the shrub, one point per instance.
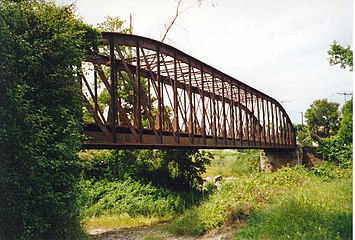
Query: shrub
<point x="41" y="47"/>
<point x="129" y="197"/>
<point x="177" y="169"/>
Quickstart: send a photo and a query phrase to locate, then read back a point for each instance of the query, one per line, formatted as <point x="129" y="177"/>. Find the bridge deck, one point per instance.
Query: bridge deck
<point x="158" y="96"/>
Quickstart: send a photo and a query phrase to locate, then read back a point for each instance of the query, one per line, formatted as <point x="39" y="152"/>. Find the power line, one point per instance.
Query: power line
<point x="345" y="94"/>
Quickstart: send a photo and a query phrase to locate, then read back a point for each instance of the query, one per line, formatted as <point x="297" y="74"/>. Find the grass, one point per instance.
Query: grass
<point x="287" y="204"/>
<point x="129" y="203"/>
<point x="120" y="221"/>
<point x="107" y="198"/>
<point x="295" y="203"/>
<point x="315" y="211"/>
<point x="232" y="163"/>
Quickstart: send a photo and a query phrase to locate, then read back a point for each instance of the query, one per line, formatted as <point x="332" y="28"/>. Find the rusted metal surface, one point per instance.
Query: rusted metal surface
<point x="161" y="97"/>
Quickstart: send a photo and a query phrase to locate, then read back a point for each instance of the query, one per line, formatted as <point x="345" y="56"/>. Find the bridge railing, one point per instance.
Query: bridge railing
<point x="158" y="96"/>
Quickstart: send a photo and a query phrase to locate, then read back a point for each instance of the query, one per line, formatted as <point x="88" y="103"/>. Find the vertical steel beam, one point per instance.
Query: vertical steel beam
<point x="264" y="120"/>
<point x="224" y="113"/>
<point x="273" y="124"/>
<point x="160" y="96"/>
<point x="113" y="106"/>
<point x="214" y="110"/>
<point x="246" y="116"/>
<point x="139" y="93"/>
<point x="282" y="129"/>
<point x="253" y="123"/>
<point x="191" y="123"/>
<point x="258" y="123"/>
<point x="285" y="130"/>
<point x="268" y="123"/>
<point x="176" y="103"/>
<point x="232" y="105"/>
<point x="95" y="89"/>
<point x="203" y="125"/>
<point x="277" y="125"/>
<point x="211" y="116"/>
<point x="240" y="118"/>
<point x="149" y="99"/>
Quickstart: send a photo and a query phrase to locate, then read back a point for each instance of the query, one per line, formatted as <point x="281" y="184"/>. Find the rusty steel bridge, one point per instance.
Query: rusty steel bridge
<point x="158" y="96"/>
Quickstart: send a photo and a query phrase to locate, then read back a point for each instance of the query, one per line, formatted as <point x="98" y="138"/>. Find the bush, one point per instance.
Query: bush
<point x="40" y="111"/>
<point x="339" y="148"/>
<point x="132" y="198"/>
<point x="333" y="149"/>
<point x="177" y="169"/>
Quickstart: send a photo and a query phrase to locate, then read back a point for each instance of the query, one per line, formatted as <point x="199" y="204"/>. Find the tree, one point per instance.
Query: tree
<point x="339" y="148"/>
<point x="42" y="47"/>
<point x="340" y="55"/>
<point x="185" y="166"/>
<point x="323" y="118"/>
<point x="345" y="132"/>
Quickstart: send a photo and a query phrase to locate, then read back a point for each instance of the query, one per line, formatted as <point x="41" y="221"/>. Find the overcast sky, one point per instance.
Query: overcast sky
<point x="276" y="46"/>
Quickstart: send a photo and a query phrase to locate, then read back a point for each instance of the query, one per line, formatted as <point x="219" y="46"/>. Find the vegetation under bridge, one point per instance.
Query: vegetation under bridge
<point x="158" y="96"/>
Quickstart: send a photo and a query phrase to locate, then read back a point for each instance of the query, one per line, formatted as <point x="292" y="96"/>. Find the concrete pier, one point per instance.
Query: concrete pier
<point x="271" y="160"/>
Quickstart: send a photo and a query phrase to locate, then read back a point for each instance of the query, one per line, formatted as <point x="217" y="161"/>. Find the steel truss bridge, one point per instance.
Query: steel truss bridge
<point x="158" y="96"/>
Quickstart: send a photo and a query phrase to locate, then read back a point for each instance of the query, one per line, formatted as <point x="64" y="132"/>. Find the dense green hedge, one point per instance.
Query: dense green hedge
<point x="41" y="47"/>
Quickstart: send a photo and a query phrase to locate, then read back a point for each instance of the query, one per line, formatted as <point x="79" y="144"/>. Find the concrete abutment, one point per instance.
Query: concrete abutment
<point x="271" y="160"/>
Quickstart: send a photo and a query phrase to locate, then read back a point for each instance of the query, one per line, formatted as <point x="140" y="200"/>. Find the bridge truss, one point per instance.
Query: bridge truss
<point x="158" y="96"/>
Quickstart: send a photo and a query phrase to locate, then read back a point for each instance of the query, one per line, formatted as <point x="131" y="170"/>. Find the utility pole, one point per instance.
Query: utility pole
<point x="345" y="95"/>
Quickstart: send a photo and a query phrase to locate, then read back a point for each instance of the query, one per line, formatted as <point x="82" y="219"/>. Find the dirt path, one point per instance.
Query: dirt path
<point x="153" y="232"/>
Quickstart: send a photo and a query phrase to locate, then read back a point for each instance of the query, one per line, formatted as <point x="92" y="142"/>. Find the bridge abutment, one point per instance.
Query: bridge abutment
<point x="271" y="160"/>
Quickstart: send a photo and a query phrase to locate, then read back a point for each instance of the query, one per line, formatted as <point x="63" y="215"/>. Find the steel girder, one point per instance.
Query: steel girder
<point x="161" y="97"/>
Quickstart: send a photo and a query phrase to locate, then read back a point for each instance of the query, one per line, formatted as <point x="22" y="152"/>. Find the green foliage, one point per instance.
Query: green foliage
<point x="345" y="132"/>
<point x="174" y="169"/>
<point x="42" y="47"/>
<point x="304" y="136"/>
<point x="114" y="24"/>
<point x="312" y="212"/>
<point x="240" y="199"/>
<point x="323" y="118"/>
<point x="246" y="162"/>
<point x="184" y="167"/>
<point x="129" y="197"/>
<point x="236" y="200"/>
<point x="335" y="142"/>
<point x="339" y="148"/>
<point x="334" y="150"/>
<point x="231" y="163"/>
<point x="339" y="55"/>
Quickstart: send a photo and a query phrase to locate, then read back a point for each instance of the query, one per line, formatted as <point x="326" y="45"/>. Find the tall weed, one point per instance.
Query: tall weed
<point x="297" y="195"/>
<point x="315" y="211"/>
<point x="132" y="198"/>
<point x="236" y="200"/>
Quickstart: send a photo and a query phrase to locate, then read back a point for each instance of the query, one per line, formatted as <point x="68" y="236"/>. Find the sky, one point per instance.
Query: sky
<point x="276" y="46"/>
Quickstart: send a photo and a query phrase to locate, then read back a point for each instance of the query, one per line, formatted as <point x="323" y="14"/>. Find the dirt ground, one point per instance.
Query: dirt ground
<point x="153" y="232"/>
